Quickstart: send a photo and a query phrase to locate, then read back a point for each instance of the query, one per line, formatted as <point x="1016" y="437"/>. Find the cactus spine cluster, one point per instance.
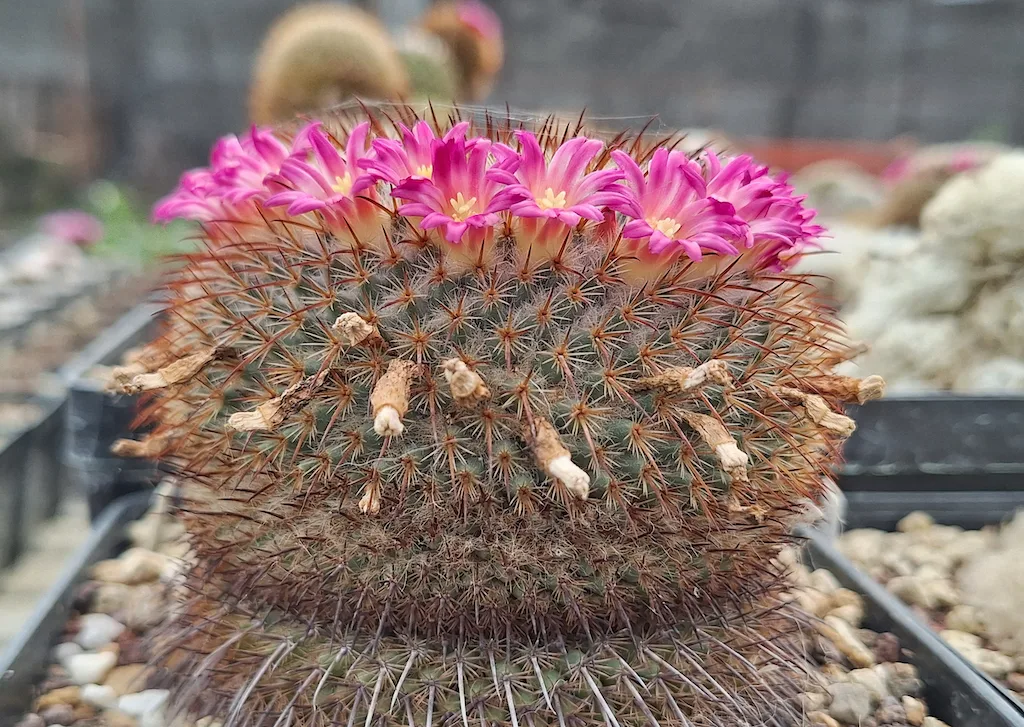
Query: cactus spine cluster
<point x="321" y="54"/>
<point x="487" y="424"/>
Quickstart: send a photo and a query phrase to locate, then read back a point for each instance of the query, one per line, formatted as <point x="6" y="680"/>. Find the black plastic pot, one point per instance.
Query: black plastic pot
<point x="24" y="662"/>
<point x="95" y="419"/>
<point x="936" y="442"/>
<point x="955" y="691"/>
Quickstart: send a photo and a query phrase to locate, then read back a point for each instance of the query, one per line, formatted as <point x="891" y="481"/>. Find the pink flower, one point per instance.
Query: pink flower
<point x="325" y="179"/>
<point x="197" y="198"/>
<point x="237" y="173"/>
<point x="459" y="195"/>
<point x="560" y="189"/>
<point x="480" y="18"/>
<point x="240" y="166"/>
<point x="778" y="225"/>
<point x="670" y="208"/>
<point x="73" y="226"/>
<point x="395" y="161"/>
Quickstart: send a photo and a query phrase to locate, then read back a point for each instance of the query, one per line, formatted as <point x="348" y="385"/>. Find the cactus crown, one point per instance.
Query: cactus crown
<point x="488" y="422"/>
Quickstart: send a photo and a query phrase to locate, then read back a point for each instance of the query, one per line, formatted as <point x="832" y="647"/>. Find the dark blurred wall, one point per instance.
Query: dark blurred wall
<point x="168" y="77"/>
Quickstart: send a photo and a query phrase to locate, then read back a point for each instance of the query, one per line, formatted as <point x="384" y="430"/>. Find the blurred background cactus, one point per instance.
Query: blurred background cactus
<point x="322" y="54"/>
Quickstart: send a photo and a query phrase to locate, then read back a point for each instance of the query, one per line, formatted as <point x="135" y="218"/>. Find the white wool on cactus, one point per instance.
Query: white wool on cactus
<point x="993" y="376"/>
<point x="998" y="316"/>
<point x="836" y="188"/>
<point x="993" y="582"/>
<point x="847" y="254"/>
<point x="930" y="349"/>
<point x="979" y="215"/>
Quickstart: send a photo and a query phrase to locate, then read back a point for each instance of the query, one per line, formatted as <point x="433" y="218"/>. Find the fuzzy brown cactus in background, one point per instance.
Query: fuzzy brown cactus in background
<point x="491" y="425"/>
<point x="472" y="32"/>
<point x="321" y="54"/>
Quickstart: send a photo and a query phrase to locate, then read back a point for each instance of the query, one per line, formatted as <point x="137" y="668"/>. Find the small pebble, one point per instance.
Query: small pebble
<point x="823" y="581"/>
<point x="910" y="589"/>
<point x="915" y="710"/>
<point x="887" y="647"/>
<point x="891" y="712"/>
<point x="915" y="522"/>
<point x="65" y="695"/>
<point x="116" y="718"/>
<point x="127" y="679"/>
<point x="145" y="608"/>
<point x="902" y="679"/>
<point x="146" y="706"/>
<point x="109" y="598"/>
<point x="850" y="613"/>
<point x="90" y="668"/>
<point x="851" y="703"/>
<point x="843" y="636"/>
<point x="813" y="701"/>
<point x="31" y="720"/>
<point x="822" y="718"/>
<point x="960" y="640"/>
<point x="61" y="652"/>
<point x="97" y="629"/>
<point x="102" y="696"/>
<point x="965" y="618"/>
<point x="63" y="714"/>
<point x="997" y="665"/>
<point x="133" y="567"/>
<point x="873" y="682"/>
<point x="1015" y="681"/>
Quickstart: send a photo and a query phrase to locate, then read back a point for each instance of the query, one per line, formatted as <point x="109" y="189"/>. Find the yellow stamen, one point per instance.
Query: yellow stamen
<point x="550" y="200"/>
<point x="666" y="226"/>
<point x="343" y="185"/>
<point x="425" y="170"/>
<point x="462" y="207"/>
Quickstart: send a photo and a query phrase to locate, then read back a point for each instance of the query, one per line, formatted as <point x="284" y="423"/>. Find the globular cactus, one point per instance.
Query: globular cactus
<point x="321" y="54"/>
<point x="473" y="34"/>
<point x="494" y="426"/>
<point x="915" y="179"/>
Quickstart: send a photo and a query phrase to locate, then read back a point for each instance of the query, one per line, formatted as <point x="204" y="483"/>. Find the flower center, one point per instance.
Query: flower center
<point x="666" y="226"/>
<point x="550" y="200"/>
<point x="461" y="207"/>
<point x="343" y="185"/>
<point x="425" y="170"/>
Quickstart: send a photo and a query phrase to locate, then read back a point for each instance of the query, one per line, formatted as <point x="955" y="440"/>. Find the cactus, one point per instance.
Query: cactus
<point x="492" y="425"/>
<point x="319" y="55"/>
<point x="429" y="65"/>
<point x="322" y="54"/>
<point x="473" y="34"/>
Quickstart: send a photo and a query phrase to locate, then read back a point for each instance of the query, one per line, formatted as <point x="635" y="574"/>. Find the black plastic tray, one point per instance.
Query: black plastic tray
<point x="24" y="662"/>
<point x="955" y="691"/>
<point x="96" y="419"/>
<point x="936" y="442"/>
<point x="13" y="459"/>
<point x="970" y="509"/>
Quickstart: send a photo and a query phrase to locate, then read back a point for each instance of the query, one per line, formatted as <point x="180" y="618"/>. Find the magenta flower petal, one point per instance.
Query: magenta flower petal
<point x="669" y="208"/>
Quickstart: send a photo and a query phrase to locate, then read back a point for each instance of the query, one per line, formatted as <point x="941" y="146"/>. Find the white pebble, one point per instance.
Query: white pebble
<point x="61" y="652"/>
<point x="100" y="696"/>
<point x="90" y="668"/>
<point x="142" y="703"/>
<point x="98" y="629"/>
